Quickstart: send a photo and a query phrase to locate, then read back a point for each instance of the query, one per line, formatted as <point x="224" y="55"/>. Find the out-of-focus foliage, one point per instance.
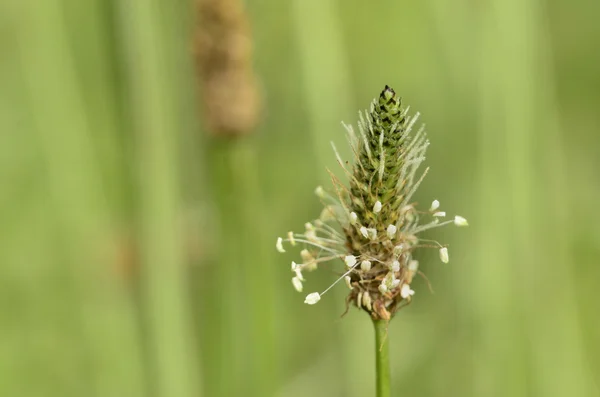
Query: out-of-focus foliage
<point x="137" y="252"/>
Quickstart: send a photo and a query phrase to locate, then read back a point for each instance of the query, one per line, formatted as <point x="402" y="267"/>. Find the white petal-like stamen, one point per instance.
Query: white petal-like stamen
<point x="395" y="283"/>
<point x="444" y="255"/>
<point x="413" y="266"/>
<point x="391" y="231"/>
<point x="383" y="288"/>
<point x="306" y="256"/>
<point x="298" y="272"/>
<point x="366" y="301"/>
<point x="353" y="218"/>
<point x="350" y="261"/>
<point x="372" y="233"/>
<point x="364" y="232"/>
<point x="279" y="244"/>
<point x="406" y="292"/>
<point x="365" y="266"/>
<point x="395" y="266"/>
<point x="398" y="250"/>
<point x="320" y="192"/>
<point x="348" y="281"/>
<point x="291" y="238"/>
<point x="313" y="298"/>
<point x="440" y="214"/>
<point x="297" y="284"/>
<point x="377" y="207"/>
<point x="460" y="221"/>
<point x="434" y="205"/>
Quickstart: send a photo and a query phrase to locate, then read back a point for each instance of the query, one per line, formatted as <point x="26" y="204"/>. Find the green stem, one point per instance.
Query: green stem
<point x="382" y="359"/>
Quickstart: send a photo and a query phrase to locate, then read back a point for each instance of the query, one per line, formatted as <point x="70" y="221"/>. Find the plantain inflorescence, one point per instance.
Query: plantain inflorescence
<point x="372" y="226"/>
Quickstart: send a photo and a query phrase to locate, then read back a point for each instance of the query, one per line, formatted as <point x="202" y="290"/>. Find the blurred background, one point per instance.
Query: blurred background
<point x="151" y="152"/>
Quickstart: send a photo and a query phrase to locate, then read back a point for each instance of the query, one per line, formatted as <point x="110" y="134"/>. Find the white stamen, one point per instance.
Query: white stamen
<point x="306" y="256"/>
<point x="298" y="271"/>
<point x="406" y="292"/>
<point x="444" y="255"/>
<point x="327" y="214"/>
<point x="279" y="244"/>
<point x="366" y="300"/>
<point x="395" y="266"/>
<point x="353" y="218"/>
<point x="313" y="298"/>
<point x="350" y="261"/>
<point x="395" y="283"/>
<point x="434" y="205"/>
<point x="320" y="192"/>
<point x="460" y="221"/>
<point x="297" y="284"/>
<point x="377" y="207"/>
<point x="398" y="250"/>
<point x="391" y="231"/>
<point x="383" y="288"/>
<point x="372" y="233"/>
<point x="364" y="232"/>
<point x="365" y="266"/>
<point x="413" y="266"/>
<point x="348" y="280"/>
<point x="440" y="214"/>
<point x="291" y="238"/>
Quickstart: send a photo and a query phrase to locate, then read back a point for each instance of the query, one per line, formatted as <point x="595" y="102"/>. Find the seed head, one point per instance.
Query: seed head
<point x="371" y="225"/>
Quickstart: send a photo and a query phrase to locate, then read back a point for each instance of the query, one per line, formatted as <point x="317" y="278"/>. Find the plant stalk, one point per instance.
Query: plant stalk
<point x="382" y="359"/>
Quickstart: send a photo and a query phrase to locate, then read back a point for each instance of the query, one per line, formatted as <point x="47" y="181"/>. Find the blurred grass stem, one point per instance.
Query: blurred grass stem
<point x="382" y="359"/>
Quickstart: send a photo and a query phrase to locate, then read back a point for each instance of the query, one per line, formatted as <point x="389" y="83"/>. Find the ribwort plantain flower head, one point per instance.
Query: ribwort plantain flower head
<point x="371" y="225"/>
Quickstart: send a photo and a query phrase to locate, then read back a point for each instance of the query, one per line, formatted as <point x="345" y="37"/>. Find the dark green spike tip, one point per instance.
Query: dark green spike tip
<point x="387" y="93"/>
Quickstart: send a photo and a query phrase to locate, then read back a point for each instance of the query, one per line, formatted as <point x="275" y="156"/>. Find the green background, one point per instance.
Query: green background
<point x="137" y="252"/>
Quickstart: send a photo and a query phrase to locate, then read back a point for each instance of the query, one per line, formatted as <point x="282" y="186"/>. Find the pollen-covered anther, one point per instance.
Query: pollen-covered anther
<point x="291" y="238"/>
<point x="440" y="214"/>
<point x="460" y="221"/>
<point x="364" y="231"/>
<point x="350" y="261"/>
<point x="391" y="231"/>
<point x="353" y="218"/>
<point x="312" y="298"/>
<point x="413" y="266"/>
<point x="296" y="268"/>
<point x="279" y="245"/>
<point x="383" y="288"/>
<point x="359" y="299"/>
<point x="327" y="214"/>
<point x="297" y="283"/>
<point x="434" y="205"/>
<point x="310" y="232"/>
<point x="320" y="192"/>
<point x="377" y="207"/>
<point x="395" y="266"/>
<point x="371" y="233"/>
<point x="406" y="292"/>
<point x="348" y="281"/>
<point x="366" y="301"/>
<point x="398" y="249"/>
<point x="395" y="283"/>
<point x="444" y="255"/>
<point x="365" y="266"/>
